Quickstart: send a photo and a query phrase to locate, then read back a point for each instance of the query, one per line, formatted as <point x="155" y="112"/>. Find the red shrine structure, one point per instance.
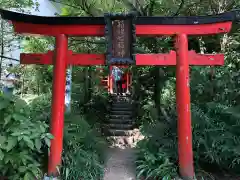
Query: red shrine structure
<point x="120" y="31"/>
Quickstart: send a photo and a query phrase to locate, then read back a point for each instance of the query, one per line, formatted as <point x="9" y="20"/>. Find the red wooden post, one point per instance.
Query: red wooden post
<point x="57" y="119"/>
<point x="185" y="153"/>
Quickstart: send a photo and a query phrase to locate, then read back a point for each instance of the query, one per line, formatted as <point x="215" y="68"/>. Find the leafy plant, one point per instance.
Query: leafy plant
<point x="40" y="108"/>
<point x="216" y="136"/>
<point x="156" y="153"/>
<point x="83" y="150"/>
<point x="22" y="140"/>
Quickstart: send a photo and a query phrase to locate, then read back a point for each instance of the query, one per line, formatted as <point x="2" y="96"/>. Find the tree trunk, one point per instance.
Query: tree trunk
<point x="89" y="83"/>
<point x="2" y="50"/>
<point x="157" y="88"/>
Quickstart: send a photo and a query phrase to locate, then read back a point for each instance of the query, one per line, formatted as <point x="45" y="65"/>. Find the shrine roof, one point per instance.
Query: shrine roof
<point x="140" y="20"/>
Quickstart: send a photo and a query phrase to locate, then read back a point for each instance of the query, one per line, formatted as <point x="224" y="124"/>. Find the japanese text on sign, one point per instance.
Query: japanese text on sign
<point x="121" y="38"/>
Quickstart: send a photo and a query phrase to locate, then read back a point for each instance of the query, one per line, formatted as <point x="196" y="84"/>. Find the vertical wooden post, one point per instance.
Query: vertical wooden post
<point x="108" y="83"/>
<point x="57" y="116"/>
<point x="68" y="89"/>
<point x="183" y="108"/>
<point x="86" y="98"/>
<point x="111" y="80"/>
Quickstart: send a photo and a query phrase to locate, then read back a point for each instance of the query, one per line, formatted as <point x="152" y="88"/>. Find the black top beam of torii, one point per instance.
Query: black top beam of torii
<point x="140" y="20"/>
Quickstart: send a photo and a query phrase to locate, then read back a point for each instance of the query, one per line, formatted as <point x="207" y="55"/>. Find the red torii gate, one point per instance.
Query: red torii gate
<point x="181" y="27"/>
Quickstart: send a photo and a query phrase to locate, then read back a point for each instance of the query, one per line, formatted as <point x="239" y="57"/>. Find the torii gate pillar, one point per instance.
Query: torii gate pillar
<point x="57" y="120"/>
<point x="185" y="153"/>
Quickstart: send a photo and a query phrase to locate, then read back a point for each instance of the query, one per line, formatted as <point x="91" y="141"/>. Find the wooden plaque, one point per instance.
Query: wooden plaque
<point x="121" y="38"/>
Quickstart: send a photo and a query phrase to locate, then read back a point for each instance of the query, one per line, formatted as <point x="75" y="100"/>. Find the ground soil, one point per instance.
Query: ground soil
<point x="120" y="164"/>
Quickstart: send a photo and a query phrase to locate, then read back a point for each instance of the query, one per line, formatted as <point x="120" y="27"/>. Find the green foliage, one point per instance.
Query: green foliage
<point x="156" y="153"/>
<point x="38" y="44"/>
<point x="9" y="41"/>
<point x="22" y="140"/>
<point x="20" y="4"/>
<point x="216" y="136"/>
<point x="97" y="108"/>
<point x="40" y="108"/>
<point x="83" y="150"/>
<point x="215" y="141"/>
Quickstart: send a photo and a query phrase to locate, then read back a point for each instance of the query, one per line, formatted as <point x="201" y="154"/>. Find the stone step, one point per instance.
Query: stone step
<point x="123" y="95"/>
<point x="121" y="108"/>
<point x="121" y="98"/>
<point x="120" y="116"/>
<point x="120" y="121"/>
<point x="118" y="107"/>
<point x="121" y="112"/>
<point x="117" y="132"/>
<point x="119" y="126"/>
<point x="122" y="104"/>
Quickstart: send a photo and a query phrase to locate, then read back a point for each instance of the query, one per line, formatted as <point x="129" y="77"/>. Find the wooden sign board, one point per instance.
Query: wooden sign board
<point x="121" y="38"/>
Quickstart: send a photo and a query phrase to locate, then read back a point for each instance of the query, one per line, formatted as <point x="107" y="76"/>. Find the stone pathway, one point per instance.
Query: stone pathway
<point x="120" y="164"/>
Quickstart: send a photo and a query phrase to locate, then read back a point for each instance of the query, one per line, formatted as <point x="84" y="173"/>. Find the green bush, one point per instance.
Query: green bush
<point x="40" y="107"/>
<point x="216" y="136"/>
<point x="215" y="143"/>
<point x="83" y="150"/>
<point x="97" y="109"/>
<point x="22" y="140"/>
<point x="156" y="154"/>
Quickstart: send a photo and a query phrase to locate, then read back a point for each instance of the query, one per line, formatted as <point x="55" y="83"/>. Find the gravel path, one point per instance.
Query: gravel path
<point x="120" y="164"/>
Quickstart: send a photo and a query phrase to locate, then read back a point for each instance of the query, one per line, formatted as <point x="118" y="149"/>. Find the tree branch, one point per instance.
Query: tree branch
<point x="132" y="7"/>
<point x="151" y="7"/>
<point x="88" y="41"/>
<point x="179" y="8"/>
<point x="2" y="49"/>
<point x="5" y="57"/>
